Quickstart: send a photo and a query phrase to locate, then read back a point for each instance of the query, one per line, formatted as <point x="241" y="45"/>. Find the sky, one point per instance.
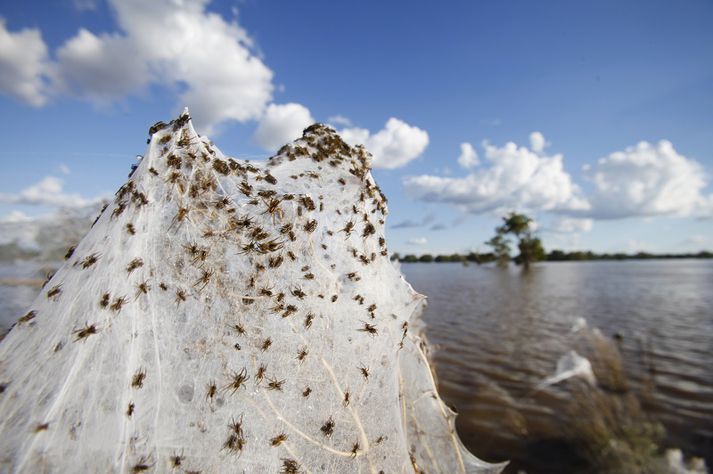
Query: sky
<point x="595" y="118"/>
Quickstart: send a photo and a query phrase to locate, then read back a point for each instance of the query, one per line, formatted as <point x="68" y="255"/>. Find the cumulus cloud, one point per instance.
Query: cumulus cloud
<point x="571" y="225"/>
<point x="101" y="68"/>
<point x="418" y="241"/>
<point x="208" y="61"/>
<point x="394" y="146"/>
<point x="537" y="142"/>
<point x="282" y="124"/>
<point x="15" y="217"/>
<point x="514" y="178"/>
<point x="645" y="180"/>
<point x="648" y="180"/>
<point x="23" y="65"/>
<point x="49" y="191"/>
<point x="340" y="120"/>
<point x="468" y="156"/>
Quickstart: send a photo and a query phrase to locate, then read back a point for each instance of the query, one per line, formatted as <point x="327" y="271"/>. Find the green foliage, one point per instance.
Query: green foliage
<point x="530" y="247"/>
<point x="516" y="224"/>
<point x="501" y="249"/>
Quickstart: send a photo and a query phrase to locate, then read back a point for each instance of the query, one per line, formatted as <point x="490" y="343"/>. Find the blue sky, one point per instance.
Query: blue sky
<point x="619" y="96"/>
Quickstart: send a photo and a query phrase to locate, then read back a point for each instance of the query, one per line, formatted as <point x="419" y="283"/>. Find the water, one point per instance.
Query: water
<point x="15" y="299"/>
<point x="499" y="333"/>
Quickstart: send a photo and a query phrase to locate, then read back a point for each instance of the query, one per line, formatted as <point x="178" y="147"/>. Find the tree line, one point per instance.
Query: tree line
<point x="519" y="227"/>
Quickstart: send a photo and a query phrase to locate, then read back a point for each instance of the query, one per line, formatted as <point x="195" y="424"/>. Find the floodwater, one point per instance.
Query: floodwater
<point x="15" y="292"/>
<point x="498" y="333"/>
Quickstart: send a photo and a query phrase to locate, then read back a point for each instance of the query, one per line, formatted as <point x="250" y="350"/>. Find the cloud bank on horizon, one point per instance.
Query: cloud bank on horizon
<point x="645" y="180"/>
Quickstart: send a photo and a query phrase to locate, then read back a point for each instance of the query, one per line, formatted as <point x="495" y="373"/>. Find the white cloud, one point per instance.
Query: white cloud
<point x="85" y="5"/>
<point x="281" y="124"/>
<point x="47" y="192"/>
<point x="394" y="146"/>
<point x="210" y="62"/>
<point x="15" y="217"/>
<point x="468" y="156"/>
<point x="516" y="178"/>
<point x="648" y="180"/>
<point x="64" y="169"/>
<point x="417" y="241"/>
<point x="23" y="65"/>
<point x="569" y="225"/>
<point x="537" y="142"/>
<point x="101" y="68"/>
<point x="340" y="120"/>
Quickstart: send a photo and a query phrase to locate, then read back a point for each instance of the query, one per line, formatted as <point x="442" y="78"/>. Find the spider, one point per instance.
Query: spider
<point x="85" y="332"/>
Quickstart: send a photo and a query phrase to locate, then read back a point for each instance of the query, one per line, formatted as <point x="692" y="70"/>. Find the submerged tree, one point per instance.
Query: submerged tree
<point x="529" y="245"/>
<point x="501" y="249"/>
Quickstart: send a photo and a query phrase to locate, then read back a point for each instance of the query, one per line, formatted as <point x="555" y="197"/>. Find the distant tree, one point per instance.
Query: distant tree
<point x="501" y="249"/>
<point x="395" y="256"/>
<point x="409" y="259"/>
<point x="530" y="246"/>
<point x="531" y="250"/>
<point x="426" y="258"/>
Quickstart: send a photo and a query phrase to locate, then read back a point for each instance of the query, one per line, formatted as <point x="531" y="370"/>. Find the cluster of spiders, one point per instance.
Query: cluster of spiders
<point x="264" y="227"/>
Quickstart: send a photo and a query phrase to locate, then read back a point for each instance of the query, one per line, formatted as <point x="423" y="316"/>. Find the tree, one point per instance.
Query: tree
<point x="530" y="246"/>
<point x="501" y="249"/>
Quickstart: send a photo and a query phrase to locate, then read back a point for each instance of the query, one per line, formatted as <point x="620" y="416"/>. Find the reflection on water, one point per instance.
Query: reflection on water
<point x="499" y="333"/>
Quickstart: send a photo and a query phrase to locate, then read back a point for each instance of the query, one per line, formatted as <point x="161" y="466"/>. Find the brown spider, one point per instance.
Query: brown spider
<point x="302" y="354"/>
<point x="260" y="375"/>
<point x="211" y="390"/>
<point x="348" y="227"/>
<point x="369" y="328"/>
<point x="237" y="379"/>
<point x="327" y="428"/>
<point x="274" y="384"/>
<point x="310" y="226"/>
<point x="266" y="344"/>
<point x="364" y="371"/>
<point x="134" y="264"/>
<point x="273" y="208"/>
<point x="279" y="439"/>
<point x="142" y="288"/>
<point x="204" y="279"/>
<point x="138" y="380"/>
<point x="117" y="304"/>
<point x="85" y="332"/>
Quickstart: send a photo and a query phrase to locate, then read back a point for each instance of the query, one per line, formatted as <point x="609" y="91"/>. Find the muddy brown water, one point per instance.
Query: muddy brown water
<point x="498" y="333"/>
